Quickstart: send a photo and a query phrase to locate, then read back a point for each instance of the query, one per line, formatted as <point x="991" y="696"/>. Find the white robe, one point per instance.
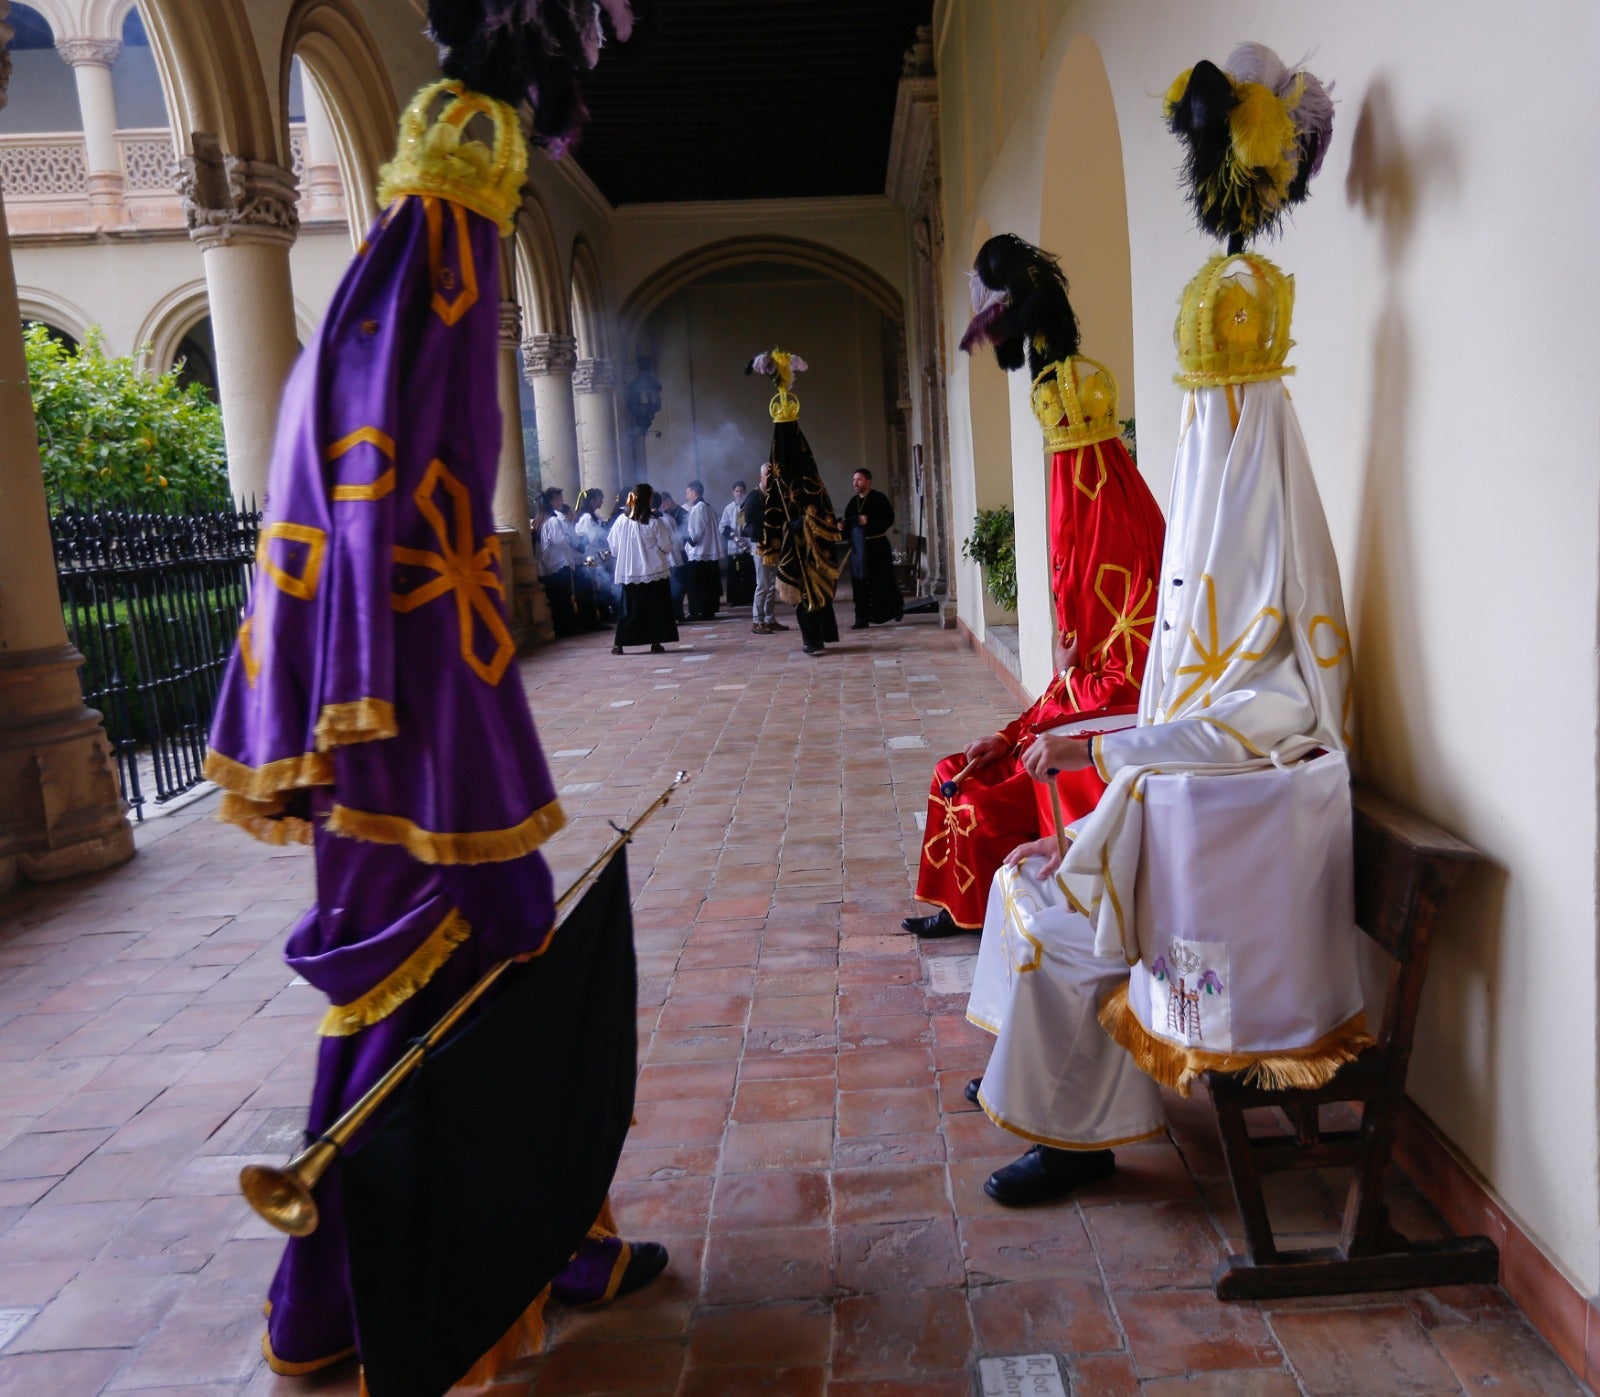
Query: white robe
<point x="643" y="552"/>
<point x="1249" y="672"/>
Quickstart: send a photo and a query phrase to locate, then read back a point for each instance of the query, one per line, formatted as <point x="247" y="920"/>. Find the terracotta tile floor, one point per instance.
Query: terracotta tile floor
<point x="802" y="1144"/>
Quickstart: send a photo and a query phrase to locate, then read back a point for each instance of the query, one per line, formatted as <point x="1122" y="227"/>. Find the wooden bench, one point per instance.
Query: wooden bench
<point x="1405" y="869"/>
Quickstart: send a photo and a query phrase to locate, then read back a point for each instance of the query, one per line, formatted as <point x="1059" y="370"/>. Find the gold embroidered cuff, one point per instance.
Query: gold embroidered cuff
<point x="400" y="984"/>
<point x="361" y="720"/>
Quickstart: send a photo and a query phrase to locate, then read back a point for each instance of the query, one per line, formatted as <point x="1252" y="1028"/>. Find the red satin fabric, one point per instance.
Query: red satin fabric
<point x="1106" y="534"/>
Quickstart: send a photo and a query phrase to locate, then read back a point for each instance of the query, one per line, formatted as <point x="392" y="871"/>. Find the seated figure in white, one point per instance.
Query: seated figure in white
<point x="1202" y="914"/>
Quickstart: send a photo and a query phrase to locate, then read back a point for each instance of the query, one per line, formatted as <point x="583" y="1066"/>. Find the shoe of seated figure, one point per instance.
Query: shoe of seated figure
<point x="971" y="1090"/>
<point x="939" y="924"/>
<point x="1044" y="1174"/>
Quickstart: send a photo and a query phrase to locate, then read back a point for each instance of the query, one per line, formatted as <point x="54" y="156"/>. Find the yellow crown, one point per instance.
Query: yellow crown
<point x="1233" y="323"/>
<point x="784" y="407"/>
<point x="1075" y="401"/>
<point x="435" y="158"/>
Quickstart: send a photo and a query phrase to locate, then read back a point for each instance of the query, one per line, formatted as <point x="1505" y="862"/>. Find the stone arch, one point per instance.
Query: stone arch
<point x="732" y="252"/>
<point x="588" y="303"/>
<point x="341" y="58"/>
<point x="54" y="310"/>
<point x="212" y="78"/>
<point x="103" y="19"/>
<point x="181" y="309"/>
<point x="541" y="288"/>
<point x="63" y="21"/>
<point x="1084" y="219"/>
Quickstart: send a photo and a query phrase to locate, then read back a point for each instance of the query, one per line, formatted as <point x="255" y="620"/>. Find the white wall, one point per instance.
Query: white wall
<point x="714" y="422"/>
<point x="1447" y="290"/>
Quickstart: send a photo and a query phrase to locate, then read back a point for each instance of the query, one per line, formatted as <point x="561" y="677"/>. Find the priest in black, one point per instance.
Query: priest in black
<point x="870" y="516"/>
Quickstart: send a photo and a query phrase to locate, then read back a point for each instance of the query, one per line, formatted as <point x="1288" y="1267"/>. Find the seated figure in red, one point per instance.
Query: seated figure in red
<point x="1106" y="533"/>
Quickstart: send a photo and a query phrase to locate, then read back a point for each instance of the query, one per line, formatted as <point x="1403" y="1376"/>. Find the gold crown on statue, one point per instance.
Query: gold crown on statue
<point x="1075" y="401"/>
<point x="1233" y="323"/>
<point x="784" y="407"/>
<point x="435" y="157"/>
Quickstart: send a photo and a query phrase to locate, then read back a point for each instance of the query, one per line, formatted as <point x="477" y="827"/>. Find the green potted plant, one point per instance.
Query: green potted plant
<point x="993" y="546"/>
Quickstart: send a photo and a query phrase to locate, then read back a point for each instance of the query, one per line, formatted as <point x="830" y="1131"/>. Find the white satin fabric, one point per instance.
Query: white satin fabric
<point x="1054" y="1077"/>
<point x="1250" y="664"/>
<point x="1246" y="916"/>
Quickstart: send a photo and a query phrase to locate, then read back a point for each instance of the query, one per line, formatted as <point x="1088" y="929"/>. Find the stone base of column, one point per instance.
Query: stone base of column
<point x="531" y="623"/>
<point x="107" y="208"/>
<point x="61" y="812"/>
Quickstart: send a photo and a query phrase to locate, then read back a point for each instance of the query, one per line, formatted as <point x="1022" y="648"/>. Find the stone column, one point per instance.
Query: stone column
<point x="324" y="191"/>
<point x="61" y="812"/>
<point x="91" y="60"/>
<point x="594" y="397"/>
<point x="526" y="603"/>
<point x="549" y="361"/>
<point x="243" y="214"/>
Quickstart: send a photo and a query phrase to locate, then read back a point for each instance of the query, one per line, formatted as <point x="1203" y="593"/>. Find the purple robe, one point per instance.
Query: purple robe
<point x="372" y="707"/>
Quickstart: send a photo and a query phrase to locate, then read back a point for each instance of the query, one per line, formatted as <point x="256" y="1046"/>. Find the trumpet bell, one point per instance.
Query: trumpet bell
<point x="279" y="1197"/>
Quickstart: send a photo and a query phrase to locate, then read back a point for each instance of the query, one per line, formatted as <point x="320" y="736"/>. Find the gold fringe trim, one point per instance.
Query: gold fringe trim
<point x="1302" y="1069"/>
<point x="259" y="783"/>
<point x="446" y="847"/>
<point x="286" y="1369"/>
<point x="362" y="720"/>
<point x="399" y="984"/>
<point x="260" y="819"/>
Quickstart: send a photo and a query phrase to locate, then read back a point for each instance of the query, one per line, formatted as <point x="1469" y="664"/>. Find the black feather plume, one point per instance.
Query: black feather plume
<point x="1035" y="324"/>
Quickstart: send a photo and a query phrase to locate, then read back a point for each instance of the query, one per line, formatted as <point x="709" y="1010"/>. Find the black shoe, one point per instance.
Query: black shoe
<point x="812" y="649"/>
<point x="658" y="649"/>
<point x="779" y="626"/>
<point x="616" y="649"/>
<point x="648" y="1260"/>
<point x="941" y="923"/>
<point x="970" y="1091"/>
<point x="1045" y="1174"/>
<point x="859" y="625"/>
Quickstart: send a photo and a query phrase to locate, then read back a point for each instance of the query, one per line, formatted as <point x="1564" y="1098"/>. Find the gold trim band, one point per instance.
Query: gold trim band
<point x="411" y="975"/>
<point x="445" y="846"/>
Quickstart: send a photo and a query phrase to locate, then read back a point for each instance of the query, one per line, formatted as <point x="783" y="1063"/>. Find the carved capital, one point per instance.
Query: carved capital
<point x="227" y="199"/>
<point x="97" y="53"/>
<point x="594" y="376"/>
<point x="549" y="354"/>
<point x="510" y="325"/>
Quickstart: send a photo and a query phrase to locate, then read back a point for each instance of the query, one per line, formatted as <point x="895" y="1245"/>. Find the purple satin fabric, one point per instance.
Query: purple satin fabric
<point x="406" y="356"/>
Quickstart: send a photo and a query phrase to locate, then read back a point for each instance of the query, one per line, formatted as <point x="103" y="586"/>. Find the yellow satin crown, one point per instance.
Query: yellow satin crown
<point x="435" y="157"/>
<point x="784" y="407"/>
<point x="1075" y="401"/>
<point x="1233" y="323"/>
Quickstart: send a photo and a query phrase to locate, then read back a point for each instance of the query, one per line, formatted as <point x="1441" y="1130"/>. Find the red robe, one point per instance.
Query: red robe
<point x="1106" y="535"/>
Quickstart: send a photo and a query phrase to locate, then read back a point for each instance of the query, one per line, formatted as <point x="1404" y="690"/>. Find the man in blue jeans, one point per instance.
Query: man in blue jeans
<point x="763" y="619"/>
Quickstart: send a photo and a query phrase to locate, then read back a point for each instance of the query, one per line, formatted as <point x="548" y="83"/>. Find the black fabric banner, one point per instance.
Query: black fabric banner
<point x="489" y="1168"/>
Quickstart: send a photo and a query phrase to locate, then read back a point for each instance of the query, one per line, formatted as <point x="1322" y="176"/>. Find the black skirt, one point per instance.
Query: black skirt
<point x="645" y="613"/>
<point x="816" y="626"/>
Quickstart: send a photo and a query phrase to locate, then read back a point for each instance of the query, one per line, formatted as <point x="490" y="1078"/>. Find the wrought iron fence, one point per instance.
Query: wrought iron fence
<point x="153" y="602"/>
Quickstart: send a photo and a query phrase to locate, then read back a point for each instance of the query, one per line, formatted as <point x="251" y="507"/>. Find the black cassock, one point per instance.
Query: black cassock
<point x="877" y="595"/>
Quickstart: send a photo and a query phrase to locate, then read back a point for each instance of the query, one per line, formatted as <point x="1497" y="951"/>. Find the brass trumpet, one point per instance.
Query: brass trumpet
<point x="282" y="1194"/>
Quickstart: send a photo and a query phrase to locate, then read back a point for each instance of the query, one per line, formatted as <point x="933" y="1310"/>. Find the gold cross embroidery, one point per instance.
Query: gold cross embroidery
<point x="959" y="823"/>
<point x="1126" y="619"/>
<point x="1341" y="654"/>
<point x="461" y="570"/>
<point x="1017" y="900"/>
<point x="1215" y="657"/>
